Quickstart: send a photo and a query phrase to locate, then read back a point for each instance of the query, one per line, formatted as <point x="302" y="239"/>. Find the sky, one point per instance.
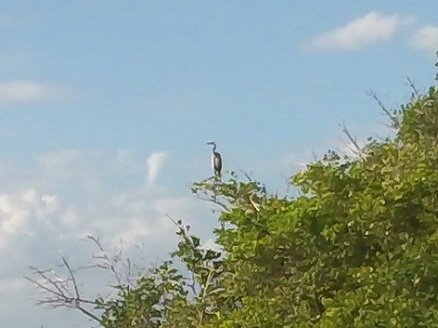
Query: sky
<point x="106" y="108"/>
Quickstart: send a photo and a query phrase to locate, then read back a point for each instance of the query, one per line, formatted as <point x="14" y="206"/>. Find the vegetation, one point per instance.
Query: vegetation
<point x="358" y="247"/>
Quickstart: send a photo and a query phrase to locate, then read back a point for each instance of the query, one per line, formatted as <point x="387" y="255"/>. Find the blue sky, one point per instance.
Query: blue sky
<point x="106" y="108"/>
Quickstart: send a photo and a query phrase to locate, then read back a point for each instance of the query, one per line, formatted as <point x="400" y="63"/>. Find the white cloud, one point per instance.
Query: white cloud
<point x="72" y="165"/>
<point x="171" y="204"/>
<point x="154" y="164"/>
<point x="29" y="91"/>
<point x="371" y="28"/>
<point x="21" y="215"/>
<point x="135" y="228"/>
<point x="426" y="38"/>
<point x="63" y="163"/>
<point x="61" y="204"/>
<point x="61" y="158"/>
<point x="47" y="208"/>
<point x="13" y="215"/>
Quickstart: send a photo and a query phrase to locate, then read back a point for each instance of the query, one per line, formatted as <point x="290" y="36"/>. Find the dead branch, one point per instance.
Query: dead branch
<point x="411" y="84"/>
<point x="65" y="292"/>
<point x="59" y="293"/>
<point x="357" y="149"/>
<point x="216" y="202"/>
<point x="73" y="279"/>
<point x="383" y="108"/>
<point x="110" y="264"/>
<point x="181" y="228"/>
<point x="247" y="176"/>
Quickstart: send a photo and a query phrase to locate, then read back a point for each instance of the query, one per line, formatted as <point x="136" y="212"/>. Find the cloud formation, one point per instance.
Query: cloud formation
<point x="29" y="91"/>
<point x="67" y="195"/>
<point x="368" y="29"/>
<point x="154" y="164"/>
<point x="426" y="38"/>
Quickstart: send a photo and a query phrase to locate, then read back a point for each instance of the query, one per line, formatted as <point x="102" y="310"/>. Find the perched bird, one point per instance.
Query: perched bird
<point x="217" y="160"/>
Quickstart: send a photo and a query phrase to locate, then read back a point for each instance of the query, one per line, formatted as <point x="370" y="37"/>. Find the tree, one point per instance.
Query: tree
<point x="356" y="248"/>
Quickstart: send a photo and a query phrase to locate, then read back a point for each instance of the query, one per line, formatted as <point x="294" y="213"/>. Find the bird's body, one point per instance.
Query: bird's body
<point x="217" y="161"/>
<point x="217" y="164"/>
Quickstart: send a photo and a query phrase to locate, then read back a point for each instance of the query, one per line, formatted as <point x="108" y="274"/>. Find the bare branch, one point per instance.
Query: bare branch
<point x="180" y="227"/>
<point x="247" y="176"/>
<point x="89" y="314"/>
<point x="75" y="286"/>
<point x="383" y="108"/>
<point x="353" y="141"/>
<point x="65" y="292"/>
<point x="216" y="202"/>
<point x="411" y="84"/>
<point x="59" y="294"/>
<point x="107" y="262"/>
<point x="39" y="285"/>
<point x="91" y="266"/>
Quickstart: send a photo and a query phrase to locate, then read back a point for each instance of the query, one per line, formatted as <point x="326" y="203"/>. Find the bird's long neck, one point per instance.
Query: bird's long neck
<point x="214" y="149"/>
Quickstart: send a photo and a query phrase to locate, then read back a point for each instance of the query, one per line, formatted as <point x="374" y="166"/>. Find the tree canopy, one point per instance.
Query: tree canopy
<point x="357" y="247"/>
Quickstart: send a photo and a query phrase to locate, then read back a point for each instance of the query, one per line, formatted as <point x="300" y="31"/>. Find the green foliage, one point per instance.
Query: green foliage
<point x="357" y="248"/>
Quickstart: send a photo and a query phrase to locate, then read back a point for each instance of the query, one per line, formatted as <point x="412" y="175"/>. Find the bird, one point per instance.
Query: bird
<point x="217" y="160"/>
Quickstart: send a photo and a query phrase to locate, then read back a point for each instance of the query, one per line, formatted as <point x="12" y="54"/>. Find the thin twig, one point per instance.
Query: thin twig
<point x="216" y="202"/>
<point x="383" y="108"/>
<point x="44" y="287"/>
<point x="247" y="176"/>
<point x="181" y="228"/>
<point x="50" y="281"/>
<point x="75" y="286"/>
<point x="64" y="292"/>
<point x="107" y="260"/>
<point x="352" y="140"/>
<point x="60" y="298"/>
<point x="412" y="86"/>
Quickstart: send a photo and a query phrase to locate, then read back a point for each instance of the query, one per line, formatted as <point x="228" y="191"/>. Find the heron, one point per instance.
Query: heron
<point x="217" y="160"/>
